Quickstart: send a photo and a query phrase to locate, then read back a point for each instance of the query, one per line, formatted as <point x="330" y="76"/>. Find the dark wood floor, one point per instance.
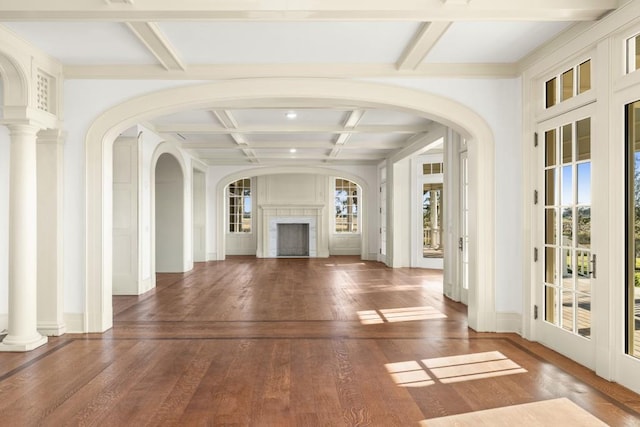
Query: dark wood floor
<point x="291" y="342"/>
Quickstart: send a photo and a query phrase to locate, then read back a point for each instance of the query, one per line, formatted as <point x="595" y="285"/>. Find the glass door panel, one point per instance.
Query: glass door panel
<point x="432" y="244"/>
<point x="567" y="227"/>
<point x="632" y="306"/>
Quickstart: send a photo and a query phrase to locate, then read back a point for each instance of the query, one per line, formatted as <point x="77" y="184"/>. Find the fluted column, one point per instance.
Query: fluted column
<point x="23" y="334"/>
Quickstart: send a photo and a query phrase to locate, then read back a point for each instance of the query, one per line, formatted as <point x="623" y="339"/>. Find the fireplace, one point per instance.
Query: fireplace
<point x="293" y="239"/>
<point x="300" y="238"/>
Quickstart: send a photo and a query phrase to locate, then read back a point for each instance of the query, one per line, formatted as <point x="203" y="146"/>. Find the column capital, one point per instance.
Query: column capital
<point x="23" y="127"/>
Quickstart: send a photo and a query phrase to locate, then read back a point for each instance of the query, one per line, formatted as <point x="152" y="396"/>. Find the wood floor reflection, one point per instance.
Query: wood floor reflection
<point x="292" y="342"/>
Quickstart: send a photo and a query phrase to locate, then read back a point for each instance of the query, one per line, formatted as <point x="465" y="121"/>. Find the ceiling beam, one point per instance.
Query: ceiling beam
<point x="352" y="121"/>
<point x="227" y="120"/>
<point x="299" y="145"/>
<point x="151" y="36"/>
<point x="186" y="128"/>
<point x="425" y="39"/>
<point x="236" y="71"/>
<point x="304" y="10"/>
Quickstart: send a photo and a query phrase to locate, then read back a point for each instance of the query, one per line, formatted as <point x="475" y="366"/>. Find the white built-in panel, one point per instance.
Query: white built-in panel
<point x="278" y="116"/>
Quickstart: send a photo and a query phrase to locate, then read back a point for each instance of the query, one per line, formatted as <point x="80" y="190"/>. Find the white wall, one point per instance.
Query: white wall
<point x="4" y="226"/>
<point x="499" y="102"/>
<point x="199" y="216"/>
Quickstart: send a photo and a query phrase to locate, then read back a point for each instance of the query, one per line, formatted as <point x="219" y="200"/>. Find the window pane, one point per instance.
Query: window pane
<point x="567" y="268"/>
<point x="584" y="183"/>
<point x="550" y="266"/>
<point x="584" y="315"/>
<point x="551" y="187"/>
<point x="584" y="227"/>
<point x="567" y="227"/>
<point x="550" y="147"/>
<point x="633" y="54"/>
<point x="583" y="146"/>
<point x="551" y="227"/>
<point x="567" y="186"/>
<point x="567" y="85"/>
<point x="567" y="311"/>
<point x="566" y="131"/>
<point x="426" y="168"/>
<point x="550" y="93"/>
<point x="550" y="304"/>
<point x="584" y="75"/>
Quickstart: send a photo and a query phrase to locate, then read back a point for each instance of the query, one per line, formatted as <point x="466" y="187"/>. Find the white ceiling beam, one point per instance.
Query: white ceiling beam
<point x="236" y="71"/>
<point x="299" y="145"/>
<point x="197" y="128"/>
<point x="227" y="120"/>
<point x="305" y="10"/>
<point x="151" y="36"/>
<point x="425" y="39"/>
<point x="303" y="156"/>
<point x="352" y="121"/>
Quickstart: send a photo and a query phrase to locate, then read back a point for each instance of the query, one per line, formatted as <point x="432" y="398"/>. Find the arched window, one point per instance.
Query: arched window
<point x="347" y="206"/>
<point x="239" y="194"/>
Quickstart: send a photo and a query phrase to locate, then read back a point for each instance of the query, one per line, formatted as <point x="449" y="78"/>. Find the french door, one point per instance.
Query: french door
<point x="566" y="249"/>
<point x="463" y="239"/>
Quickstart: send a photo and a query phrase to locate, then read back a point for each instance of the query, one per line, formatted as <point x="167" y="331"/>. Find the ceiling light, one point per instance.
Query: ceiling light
<point x="293" y="150"/>
<point x="291" y="115"/>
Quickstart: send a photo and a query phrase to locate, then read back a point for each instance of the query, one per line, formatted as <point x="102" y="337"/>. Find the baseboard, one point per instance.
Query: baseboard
<point x="345" y="251"/>
<point x="372" y="256"/>
<point x="74" y="322"/>
<point x="52" y="329"/>
<point x="509" y="322"/>
<point x="145" y="285"/>
<point x="212" y="256"/>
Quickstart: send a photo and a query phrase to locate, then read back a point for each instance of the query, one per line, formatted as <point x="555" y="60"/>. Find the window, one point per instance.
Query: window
<point x="573" y="81"/>
<point x="240" y="206"/>
<point x="432" y="168"/>
<point x="347" y="209"/>
<point x="633" y="230"/>
<point x="633" y="53"/>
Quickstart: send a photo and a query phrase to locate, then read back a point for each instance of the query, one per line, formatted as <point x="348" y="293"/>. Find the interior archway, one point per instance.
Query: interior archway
<point x="169" y="215"/>
<point x="270" y="92"/>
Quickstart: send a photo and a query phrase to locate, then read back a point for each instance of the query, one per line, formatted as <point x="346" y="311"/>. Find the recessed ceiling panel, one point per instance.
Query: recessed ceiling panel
<point x="363" y="139"/>
<point x="492" y="42"/>
<point x="289" y="42"/>
<point x="189" y="117"/>
<point x="289" y="137"/>
<point x="279" y="117"/>
<point x="86" y="43"/>
<point x="391" y="117"/>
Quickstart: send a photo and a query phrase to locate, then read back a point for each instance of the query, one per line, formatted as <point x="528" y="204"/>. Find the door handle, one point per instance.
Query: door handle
<point x="460" y="244"/>
<point x="593" y="266"/>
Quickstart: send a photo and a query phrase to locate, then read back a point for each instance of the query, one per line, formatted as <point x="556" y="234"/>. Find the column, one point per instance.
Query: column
<point x="50" y="298"/>
<point x="23" y="334"/>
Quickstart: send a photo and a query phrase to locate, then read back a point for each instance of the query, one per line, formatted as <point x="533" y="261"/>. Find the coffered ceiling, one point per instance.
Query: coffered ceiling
<point x="216" y="39"/>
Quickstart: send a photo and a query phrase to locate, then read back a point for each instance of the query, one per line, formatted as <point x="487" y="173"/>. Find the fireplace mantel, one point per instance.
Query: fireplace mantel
<point x="272" y="215"/>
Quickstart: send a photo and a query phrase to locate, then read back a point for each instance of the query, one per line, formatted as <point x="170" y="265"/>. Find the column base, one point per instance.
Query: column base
<point x="11" y="344"/>
<point x="52" y="329"/>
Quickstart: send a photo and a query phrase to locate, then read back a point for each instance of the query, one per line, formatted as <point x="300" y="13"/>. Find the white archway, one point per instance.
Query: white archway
<point x="278" y="92"/>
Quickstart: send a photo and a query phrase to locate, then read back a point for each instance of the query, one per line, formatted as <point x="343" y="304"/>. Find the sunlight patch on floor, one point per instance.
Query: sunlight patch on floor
<point x="452" y="369"/>
<point x="555" y="412"/>
<point x="393" y="315"/>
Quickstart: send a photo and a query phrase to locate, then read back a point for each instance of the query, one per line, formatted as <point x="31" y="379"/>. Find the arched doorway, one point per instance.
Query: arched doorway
<point x="169" y="215"/>
<point x="270" y="92"/>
